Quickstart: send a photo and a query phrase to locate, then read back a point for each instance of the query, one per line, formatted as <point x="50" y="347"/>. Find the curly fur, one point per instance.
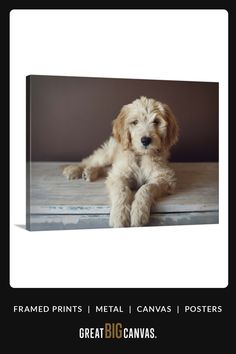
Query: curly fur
<point x="140" y="173"/>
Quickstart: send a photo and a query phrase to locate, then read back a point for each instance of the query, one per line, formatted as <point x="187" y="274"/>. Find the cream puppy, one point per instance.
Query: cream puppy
<point x="137" y="152"/>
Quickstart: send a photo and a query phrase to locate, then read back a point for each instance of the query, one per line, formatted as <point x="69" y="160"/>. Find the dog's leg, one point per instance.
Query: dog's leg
<point x="92" y="173"/>
<point x="146" y="196"/>
<point x="121" y="198"/>
<point x="140" y="210"/>
<point x="92" y="167"/>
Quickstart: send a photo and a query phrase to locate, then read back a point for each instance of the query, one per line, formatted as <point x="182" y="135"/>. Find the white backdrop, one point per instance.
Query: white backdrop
<point x="187" y="45"/>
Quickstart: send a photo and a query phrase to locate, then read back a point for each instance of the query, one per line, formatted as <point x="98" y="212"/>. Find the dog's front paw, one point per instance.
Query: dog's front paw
<point x="119" y="218"/>
<point x="90" y="174"/>
<point x="73" y="172"/>
<point x="139" y="214"/>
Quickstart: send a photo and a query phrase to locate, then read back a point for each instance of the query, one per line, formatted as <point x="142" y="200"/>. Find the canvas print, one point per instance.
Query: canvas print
<point x="108" y="152"/>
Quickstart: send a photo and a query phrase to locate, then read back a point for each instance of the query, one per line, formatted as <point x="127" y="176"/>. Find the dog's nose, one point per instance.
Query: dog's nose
<point x="146" y="140"/>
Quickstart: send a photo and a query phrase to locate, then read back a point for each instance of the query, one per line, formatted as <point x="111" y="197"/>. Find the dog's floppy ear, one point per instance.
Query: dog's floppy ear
<point x="120" y="130"/>
<point x="172" y="133"/>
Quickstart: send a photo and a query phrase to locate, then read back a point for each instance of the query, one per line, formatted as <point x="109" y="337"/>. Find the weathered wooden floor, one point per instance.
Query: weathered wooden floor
<point x="56" y="203"/>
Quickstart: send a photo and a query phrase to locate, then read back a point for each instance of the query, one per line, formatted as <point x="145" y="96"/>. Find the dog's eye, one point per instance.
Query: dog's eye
<point x="156" y="121"/>
<point x="135" y="122"/>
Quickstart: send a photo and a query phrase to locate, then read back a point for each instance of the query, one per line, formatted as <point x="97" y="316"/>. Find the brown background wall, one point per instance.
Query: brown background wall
<point x="71" y="116"/>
